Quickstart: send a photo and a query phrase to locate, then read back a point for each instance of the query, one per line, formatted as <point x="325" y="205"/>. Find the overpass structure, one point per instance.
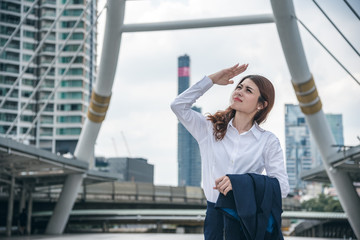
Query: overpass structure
<point x="344" y="160"/>
<point x="317" y="224"/>
<point x="284" y="17"/>
<point x="104" y="201"/>
<point x="26" y="168"/>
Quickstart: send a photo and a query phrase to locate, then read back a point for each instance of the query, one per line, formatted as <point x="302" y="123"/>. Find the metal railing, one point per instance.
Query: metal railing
<point x="130" y="192"/>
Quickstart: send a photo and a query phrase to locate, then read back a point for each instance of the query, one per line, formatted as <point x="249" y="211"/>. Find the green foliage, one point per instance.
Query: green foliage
<point x="322" y="203"/>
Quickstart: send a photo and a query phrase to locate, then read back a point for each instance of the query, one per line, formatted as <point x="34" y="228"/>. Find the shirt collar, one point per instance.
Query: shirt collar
<point x="256" y="130"/>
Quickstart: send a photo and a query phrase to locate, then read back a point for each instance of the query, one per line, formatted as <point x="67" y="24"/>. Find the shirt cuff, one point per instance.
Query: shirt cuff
<point x="206" y="83"/>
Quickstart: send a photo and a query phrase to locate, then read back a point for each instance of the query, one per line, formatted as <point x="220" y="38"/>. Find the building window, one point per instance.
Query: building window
<point x="300" y="121"/>
<point x="47" y="119"/>
<point x="71" y="95"/>
<point x="69" y="119"/>
<point x="72" y="83"/>
<point x="7" y="30"/>
<point x="74" y="36"/>
<point x="46" y="131"/>
<point x="74" y="1"/>
<point x="26" y="57"/>
<point x="68" y="59"/>
<point x="29" y="46"/>
<point x="73" y="12"/>
<point x="72" y="71"/>
<point x="13" y="7"/>
<point x="13" y="44"/>
<point x="7" y="117"/>
<point x="10" y="56"/>
<point x="70" y="107"/>
<point x="9" y="19"/>
<point x="9" y="68"/>
<point x="48" y="48"/>
<point x="68" y="131"/>
<point x="71" y="48"/>
<point x="48" y="108"/>
<point x="7" y="80"/>
<point x="26" y="94"/>
<point x="71" y="24"/>
<point x="25" y="118"/>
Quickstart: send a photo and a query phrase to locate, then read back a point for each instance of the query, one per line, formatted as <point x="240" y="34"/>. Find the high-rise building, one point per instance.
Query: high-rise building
<point x="189" y="161"/>
<point x="128" y="169"/>
<point x="298" y="148"/>
<point x="336" y="127"/>
<point x="47" y="67"/>
<point x="301" y="150"/>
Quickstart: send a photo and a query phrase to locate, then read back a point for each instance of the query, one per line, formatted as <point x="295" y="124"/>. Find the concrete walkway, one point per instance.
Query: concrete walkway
<point x="126" y="236"/>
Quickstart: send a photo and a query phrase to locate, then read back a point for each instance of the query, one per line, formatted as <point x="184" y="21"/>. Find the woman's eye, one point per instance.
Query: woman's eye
<point x="249" y="90"/>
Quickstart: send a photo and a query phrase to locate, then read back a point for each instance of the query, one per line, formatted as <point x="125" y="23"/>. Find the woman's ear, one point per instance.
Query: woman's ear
<point x="265" y="104"/>
<point x="262" y="105"/>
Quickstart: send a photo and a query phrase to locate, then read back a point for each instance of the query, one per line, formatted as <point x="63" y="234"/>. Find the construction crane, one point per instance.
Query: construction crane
<point x="125" y="143"/>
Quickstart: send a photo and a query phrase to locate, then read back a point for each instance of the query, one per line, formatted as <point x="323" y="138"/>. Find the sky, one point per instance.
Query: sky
<point x="139" y="121"/>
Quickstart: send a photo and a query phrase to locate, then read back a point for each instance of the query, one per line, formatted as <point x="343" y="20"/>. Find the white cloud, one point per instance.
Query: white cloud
<point x="146" y="78"/>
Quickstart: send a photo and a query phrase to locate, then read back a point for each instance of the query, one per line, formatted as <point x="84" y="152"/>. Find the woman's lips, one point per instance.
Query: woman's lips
<point x="237" y="100"/>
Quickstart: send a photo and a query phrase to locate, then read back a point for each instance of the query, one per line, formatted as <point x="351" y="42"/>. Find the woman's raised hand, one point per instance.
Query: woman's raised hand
<point x="224" y="77"/>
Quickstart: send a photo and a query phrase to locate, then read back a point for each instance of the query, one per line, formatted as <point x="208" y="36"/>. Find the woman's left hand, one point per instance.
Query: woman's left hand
<point x="223" y="185"/>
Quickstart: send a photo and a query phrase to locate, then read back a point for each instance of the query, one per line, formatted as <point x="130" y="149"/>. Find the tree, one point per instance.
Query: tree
<point x="322" y="203"/>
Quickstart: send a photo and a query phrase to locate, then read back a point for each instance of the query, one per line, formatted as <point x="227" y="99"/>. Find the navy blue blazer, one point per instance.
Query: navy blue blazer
<point x="254" y="198"/>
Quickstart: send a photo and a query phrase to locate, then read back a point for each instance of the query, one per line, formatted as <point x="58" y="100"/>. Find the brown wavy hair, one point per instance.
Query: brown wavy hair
<point x="222" y="118"/>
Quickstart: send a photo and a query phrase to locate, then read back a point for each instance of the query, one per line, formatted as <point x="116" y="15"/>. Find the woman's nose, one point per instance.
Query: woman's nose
<point x="238" y="91"/>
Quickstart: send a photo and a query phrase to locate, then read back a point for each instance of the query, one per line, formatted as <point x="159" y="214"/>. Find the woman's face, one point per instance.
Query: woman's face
<point x="245" y="97"/>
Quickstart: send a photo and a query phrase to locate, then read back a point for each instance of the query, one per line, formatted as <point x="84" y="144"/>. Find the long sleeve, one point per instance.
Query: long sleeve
<point x="193" y="121"/>
<point x="275" y="165"/>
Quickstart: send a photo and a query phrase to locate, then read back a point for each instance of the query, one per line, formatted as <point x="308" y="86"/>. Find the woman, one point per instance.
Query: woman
<point x="231" y="141"/>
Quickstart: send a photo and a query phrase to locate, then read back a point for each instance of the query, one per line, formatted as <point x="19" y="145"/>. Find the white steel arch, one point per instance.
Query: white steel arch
<point x="311" y="106"/>
<point x="302" y="81"/>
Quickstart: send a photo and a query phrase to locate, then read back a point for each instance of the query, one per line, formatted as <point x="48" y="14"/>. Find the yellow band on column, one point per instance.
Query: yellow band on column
<point x="304" y="87"/>
<point x="308" y="96"/>
<point x="312" y="109"/>
<point x="98" y="107"/>
<point x="100" y="99"/>
<point x="95" y="118"/>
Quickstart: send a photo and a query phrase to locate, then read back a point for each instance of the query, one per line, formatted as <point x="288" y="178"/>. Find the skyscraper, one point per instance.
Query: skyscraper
<point x="298" y="148"/>
<point x="336" y="126"/>
<point x="47" y="67"/>
<point x="189" y="162"/>
<point x="301" y="150"/>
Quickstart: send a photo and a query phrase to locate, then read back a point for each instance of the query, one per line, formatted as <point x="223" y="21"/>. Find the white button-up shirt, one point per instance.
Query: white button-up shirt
<point x="250" y="152"/>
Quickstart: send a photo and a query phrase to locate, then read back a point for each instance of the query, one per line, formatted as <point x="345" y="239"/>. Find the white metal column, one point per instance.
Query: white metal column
<point x="64" y="205"/>
<point x="311" y="106"/>
<point x="99" y="102"/>
<point x="100" y="98"/>
<point x="9" y="218"/>
<point x="29" y="211"/>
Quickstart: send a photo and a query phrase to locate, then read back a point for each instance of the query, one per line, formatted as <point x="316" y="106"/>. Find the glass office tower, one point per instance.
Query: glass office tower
<point x="44" y="91"/>
<point x="336" y="126"/>
<point x="189" y="162"/>
<point x="301" y="151"/>
<point x="298" y="147"/>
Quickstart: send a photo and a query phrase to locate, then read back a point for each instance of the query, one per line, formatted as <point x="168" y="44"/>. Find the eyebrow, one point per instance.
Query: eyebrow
<point x="248" y="87"/>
